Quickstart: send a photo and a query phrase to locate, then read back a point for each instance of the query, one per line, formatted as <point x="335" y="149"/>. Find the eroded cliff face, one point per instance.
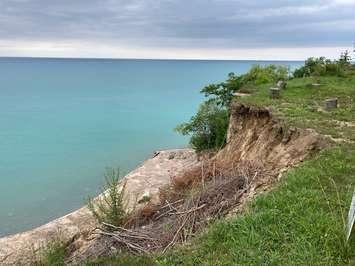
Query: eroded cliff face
<point x="254" y="136"/>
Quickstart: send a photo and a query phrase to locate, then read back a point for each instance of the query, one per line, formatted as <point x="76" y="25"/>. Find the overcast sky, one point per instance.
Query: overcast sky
<point x="211" y="29"/>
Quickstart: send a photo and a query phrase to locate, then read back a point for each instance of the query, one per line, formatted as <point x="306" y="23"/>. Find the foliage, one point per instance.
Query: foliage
<point x="321" y="66"/>
<point x="266" y="74"/>
<point x="222" y="93"/>
<point x="208" y="128"/>
<point x="109" y="207"/>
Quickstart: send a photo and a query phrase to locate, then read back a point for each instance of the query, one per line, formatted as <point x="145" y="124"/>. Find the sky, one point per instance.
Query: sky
<point x="177" y="29"/>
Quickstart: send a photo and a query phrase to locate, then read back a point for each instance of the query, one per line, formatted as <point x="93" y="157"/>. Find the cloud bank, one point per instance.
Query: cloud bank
<point x="215" y="29"/>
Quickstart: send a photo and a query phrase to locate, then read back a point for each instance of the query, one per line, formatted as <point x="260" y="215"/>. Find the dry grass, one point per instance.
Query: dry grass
<point x="193" y="200"/>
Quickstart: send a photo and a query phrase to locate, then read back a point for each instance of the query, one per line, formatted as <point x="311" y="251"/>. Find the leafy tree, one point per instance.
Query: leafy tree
<point x="222" y="93"/>
<point x="208" y="128"/>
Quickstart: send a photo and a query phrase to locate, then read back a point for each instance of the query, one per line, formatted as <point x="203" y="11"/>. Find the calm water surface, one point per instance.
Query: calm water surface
<point x="62" y="121"/>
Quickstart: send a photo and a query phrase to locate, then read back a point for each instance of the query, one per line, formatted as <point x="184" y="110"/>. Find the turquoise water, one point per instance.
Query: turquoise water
<point x="62" y="121"/>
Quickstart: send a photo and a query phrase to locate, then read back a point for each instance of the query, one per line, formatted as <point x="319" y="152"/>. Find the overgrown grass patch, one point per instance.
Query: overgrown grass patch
<point x="298" y="223"/>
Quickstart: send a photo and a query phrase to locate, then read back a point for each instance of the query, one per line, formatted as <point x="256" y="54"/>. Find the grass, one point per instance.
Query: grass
<point x="54" y="255"/>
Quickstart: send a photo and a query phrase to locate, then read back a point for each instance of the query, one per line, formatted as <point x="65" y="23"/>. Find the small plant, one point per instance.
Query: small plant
<point x="109" y="206"/>
<point x="54" y="255"/>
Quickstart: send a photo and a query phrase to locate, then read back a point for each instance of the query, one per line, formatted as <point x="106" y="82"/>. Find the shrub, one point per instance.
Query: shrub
<point x="109" y="207"/>
<point x="321" y="66"/>
<point x="208" y="128"/>
<point x="266" y="74"/>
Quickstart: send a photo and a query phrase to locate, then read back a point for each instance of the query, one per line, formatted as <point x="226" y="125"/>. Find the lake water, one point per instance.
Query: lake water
<point x="62" y="121"/>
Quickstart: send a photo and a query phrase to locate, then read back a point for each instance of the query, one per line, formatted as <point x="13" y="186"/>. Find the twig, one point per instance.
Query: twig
<point x="176" y="234"/>
<point x="189" y="211"/>
<point x="171" y="203"/>
<point x="125" y="242"/>
<point x="124" y="229"/>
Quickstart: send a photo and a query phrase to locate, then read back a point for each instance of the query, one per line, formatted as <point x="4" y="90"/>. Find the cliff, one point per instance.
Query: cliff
<point x="254" y="136"/>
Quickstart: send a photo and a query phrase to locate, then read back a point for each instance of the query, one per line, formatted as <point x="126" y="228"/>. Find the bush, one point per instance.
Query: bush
<point x="109" y="207"/>
<point x="208" y="128"/>
<point x="321" y="66"/>
<point x="266" y="74"/>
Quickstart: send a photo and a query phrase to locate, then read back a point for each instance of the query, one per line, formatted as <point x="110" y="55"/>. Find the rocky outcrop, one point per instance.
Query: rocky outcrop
<point x="24" y="248"/>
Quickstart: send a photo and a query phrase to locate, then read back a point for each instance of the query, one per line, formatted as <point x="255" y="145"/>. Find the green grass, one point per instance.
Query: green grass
<point x="298" y="223"/>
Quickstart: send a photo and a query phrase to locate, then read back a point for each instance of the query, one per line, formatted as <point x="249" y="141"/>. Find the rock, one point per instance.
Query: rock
<point x="281" y="84"/>
<point x="330" y="104"/>
<point x="145" y="197"/>
<point x="275" y="93"/>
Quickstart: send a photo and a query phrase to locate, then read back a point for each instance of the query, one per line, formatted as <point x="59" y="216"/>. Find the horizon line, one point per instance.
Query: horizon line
<point x="156" y="59"/>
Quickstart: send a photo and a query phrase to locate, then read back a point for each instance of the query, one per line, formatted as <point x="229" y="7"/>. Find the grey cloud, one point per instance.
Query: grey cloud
<point x="181" y="23"/>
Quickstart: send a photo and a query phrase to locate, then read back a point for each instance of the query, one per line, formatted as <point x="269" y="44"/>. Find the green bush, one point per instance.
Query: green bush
<point x="266" y="74"/>
<point x="208" y="128"/>
<point x="321" y="66"/>
<point x="109" y="207"/>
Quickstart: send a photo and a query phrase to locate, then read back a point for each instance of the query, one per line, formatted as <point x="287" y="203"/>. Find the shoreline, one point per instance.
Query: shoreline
<point x="147" y="178"/>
